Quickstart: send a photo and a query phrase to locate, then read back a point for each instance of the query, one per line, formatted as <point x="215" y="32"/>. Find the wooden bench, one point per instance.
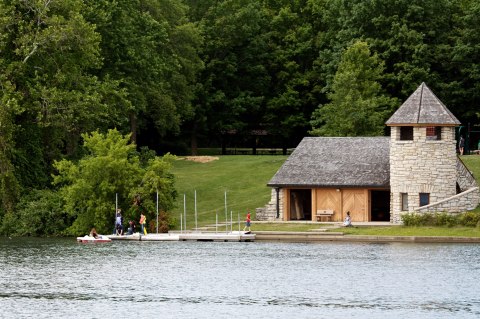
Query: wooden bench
<point x="327" y="213"/>
<point x="476" y="152"/>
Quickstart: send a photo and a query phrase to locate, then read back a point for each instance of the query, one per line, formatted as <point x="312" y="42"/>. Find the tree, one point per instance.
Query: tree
<point x="414" y="39"/>
<point x="358" y="107"/>
<point x="9" y="185"/>
<point x="464" y="65"/>
<point x="231" y="91"/>
<point x="111" y="166"/>
<point x="49" y="95"/>
<point x="151" y="49"/>
<point x="295" y="88"/>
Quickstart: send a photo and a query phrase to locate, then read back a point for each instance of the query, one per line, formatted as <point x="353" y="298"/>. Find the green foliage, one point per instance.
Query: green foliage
<point x="39" y="213"/>
<point x="151" y="49"/>
<point x="470" y="219"/>
<point x="358" y="107"/>
<point x="141" y="66"/>
<point x="48" y="94"/>
<point x="112" y="166"/>
<point x="467" y="219"/>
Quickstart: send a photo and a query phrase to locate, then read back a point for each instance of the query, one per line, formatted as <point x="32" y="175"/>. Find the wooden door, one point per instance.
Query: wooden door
<point x="355" y="201"/>
<point x="329" y="199"/>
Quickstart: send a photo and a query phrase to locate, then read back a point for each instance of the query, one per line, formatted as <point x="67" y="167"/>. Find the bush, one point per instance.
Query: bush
<point x="165" y="223"/>
<point x="445" y="219"/>
<point x="414" y="219"/>
<point x="468" y="219"/>
<point x="39" y="213"/>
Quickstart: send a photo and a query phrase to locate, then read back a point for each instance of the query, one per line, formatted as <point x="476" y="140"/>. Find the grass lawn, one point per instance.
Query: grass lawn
<point x="473" y="164"/>
<point x="244" y="178"/>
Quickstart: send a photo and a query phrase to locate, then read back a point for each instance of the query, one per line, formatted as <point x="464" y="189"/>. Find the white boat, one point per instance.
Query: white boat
<point x="90" y="239"/>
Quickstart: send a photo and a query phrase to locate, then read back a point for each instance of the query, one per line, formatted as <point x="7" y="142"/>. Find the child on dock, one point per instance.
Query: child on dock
<point x="131" y="228"/>
<point x="143" y="222"/>
<point x="247" y="223"/>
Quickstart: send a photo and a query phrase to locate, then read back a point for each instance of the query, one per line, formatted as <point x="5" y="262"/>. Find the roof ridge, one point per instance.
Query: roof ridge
<point x="420" y="101"/>
<point x="428" y="109"/>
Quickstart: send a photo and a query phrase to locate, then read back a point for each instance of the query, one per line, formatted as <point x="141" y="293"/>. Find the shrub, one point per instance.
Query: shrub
<point x="445" y="219"/>
<point x="415" y="219"/>
<point x="468" y="219"/>
<point x="39" y="213"/>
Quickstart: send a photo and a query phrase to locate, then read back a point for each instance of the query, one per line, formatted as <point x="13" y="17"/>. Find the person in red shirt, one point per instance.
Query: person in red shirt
<point x="247" y="222"/>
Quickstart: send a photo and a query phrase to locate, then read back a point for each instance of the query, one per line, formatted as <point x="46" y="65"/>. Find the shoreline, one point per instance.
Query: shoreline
<point x="340" y="237"/>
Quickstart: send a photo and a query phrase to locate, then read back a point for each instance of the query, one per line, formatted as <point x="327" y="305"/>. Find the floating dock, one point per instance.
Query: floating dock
<point x="189" y="236"/>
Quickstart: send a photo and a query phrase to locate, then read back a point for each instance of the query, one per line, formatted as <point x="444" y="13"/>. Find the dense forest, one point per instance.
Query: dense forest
<point x="82" y="80"/>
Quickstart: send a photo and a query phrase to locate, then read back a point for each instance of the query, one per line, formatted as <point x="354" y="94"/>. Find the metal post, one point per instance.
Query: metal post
<point x="216" y="222"/>
<point x="226" y="218"/>
<point x="185" y="212"/>
<point x="238" y="222"/>
<point x="231" y="221"/>
<point x="196" y="227"/>
<point x="157" y="211"/>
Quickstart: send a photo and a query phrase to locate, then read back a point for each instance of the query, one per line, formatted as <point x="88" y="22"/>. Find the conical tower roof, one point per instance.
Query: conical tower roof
<point x="422" y="108"/>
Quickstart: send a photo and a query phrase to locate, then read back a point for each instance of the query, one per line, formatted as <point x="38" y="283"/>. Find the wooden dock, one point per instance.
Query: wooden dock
<point x="234" y="236"/>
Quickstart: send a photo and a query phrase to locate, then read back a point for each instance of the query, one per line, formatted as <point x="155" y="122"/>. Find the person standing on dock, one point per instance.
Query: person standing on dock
<point x="143" y="222"/>
<point x="119" y="222"/>
<point x="247" y="222"/>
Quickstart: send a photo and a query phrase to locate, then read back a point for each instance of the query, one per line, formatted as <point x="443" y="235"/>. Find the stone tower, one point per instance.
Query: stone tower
<point x="423" y="154"/>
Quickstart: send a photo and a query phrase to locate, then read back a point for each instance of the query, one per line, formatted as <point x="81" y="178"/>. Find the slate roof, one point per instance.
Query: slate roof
<point x="337" y="162"/>
<point x="423" y="107"/>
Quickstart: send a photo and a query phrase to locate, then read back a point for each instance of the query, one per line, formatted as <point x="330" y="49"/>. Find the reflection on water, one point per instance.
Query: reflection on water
<point x="60" y="278"/>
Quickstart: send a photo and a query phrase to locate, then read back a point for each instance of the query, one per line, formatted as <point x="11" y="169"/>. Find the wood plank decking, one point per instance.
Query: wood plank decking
<point x="189" y="236"/>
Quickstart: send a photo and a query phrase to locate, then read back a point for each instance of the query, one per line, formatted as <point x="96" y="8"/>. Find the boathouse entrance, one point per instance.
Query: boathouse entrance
<point x="301" y="204"/>
<point x="380" y="205"/>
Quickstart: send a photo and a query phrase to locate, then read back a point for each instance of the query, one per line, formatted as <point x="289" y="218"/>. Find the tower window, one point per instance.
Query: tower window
<point x="404" y="199"/>
<point x="434" y="132"/>
<point x="406" y="133"/>
<point x="424" y="199"/>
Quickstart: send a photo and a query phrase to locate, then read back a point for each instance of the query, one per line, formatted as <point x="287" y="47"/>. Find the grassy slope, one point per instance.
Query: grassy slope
<point x="244" y="178"/>
<point x="473" y="164"/>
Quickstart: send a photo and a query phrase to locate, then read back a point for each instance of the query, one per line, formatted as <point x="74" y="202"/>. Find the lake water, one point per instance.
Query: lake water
<point x="59" y="278"/>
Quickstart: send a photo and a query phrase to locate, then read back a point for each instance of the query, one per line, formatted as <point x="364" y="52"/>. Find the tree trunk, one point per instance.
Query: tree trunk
<point x="133" y="127"/>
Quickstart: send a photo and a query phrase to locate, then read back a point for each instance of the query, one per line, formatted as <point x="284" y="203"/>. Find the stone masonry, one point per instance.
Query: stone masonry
<point x="465" y="178"/>
<point x="467" y="200"/>
<point x="269" y="212"/>
<point x="421" y="166"/>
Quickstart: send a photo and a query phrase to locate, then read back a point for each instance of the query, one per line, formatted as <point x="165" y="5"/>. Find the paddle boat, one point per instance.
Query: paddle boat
<point x="91" y="239"/>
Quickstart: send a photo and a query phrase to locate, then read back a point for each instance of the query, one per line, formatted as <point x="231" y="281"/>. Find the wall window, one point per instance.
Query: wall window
<point x="434" y="132"/>
<point x="424" y="199"/>
<point x="404" y="199"/>
<point x="406" y="133"/>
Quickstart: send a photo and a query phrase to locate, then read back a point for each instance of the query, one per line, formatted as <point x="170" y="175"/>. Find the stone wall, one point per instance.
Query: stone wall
<point x="462" y="202"/>
<point x="421" y="166"/>
<point x="465" y="178"/>
<point x="269" y="212"/>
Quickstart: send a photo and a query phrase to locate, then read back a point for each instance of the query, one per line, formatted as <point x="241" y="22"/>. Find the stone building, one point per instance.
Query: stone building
<point x="416" y="169"/>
